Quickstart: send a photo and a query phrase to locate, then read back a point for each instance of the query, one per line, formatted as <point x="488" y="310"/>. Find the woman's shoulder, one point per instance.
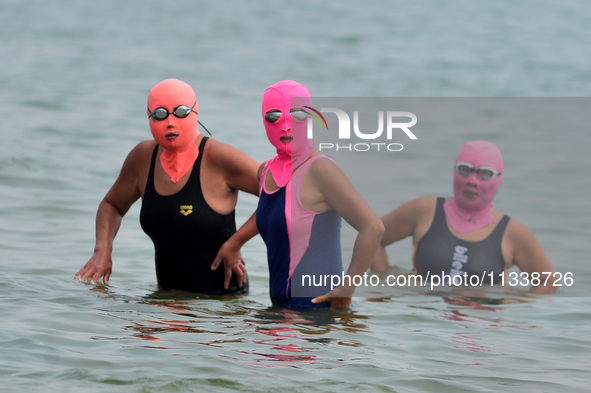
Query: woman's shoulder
<point x="142" y="151"/>
<point x="517" y="231"/>
<point x="423" y="204"/>
<point x="145" y="146"/>
<point x="416" y="211"/>
<point x="320" y="163"/>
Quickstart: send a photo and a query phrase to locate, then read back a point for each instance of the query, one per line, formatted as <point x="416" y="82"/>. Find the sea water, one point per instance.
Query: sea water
<point x="74" y="77"/>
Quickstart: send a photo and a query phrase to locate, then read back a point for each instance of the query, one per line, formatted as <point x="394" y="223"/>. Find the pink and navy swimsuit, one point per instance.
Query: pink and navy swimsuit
<point x="301" y="244"/>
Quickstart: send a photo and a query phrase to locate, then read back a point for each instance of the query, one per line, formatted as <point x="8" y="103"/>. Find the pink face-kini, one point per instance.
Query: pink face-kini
<point x="465" y="215"/>
<point x="289" y="155"/>
<point x="283" y="96"/>
<point x="179" y="153"/>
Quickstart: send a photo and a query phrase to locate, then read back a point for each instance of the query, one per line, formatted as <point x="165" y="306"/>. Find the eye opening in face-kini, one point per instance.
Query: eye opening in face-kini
<point x="297" y="113"/>
<point x="485" y="172"/>
<point x="180" y="111"/>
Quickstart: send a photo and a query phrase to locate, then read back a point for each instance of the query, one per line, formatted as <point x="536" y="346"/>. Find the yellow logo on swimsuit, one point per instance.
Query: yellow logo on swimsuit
<point x="186" y="209"/>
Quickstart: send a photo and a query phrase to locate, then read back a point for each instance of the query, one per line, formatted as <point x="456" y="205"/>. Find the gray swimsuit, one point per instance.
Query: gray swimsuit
<point x="440" y="251"/>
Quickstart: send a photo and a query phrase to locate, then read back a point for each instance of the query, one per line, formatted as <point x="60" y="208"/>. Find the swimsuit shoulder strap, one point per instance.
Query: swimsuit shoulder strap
<point x="264" y="176"/>
<point x="497" y="233"/>
<point x="439" y="217"/>
<point x="202" y="144"/>
<point x="150" y="182"/>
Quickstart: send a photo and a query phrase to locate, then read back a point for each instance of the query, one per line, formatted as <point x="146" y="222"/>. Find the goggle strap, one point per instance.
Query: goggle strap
<point x="204" y="128"/>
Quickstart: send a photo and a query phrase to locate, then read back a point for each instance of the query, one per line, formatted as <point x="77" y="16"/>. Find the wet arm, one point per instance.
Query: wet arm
<point x="111" y="210"/>
<point x="530" y="257"/>
<point x="240" y="168"/>
<point x="399" y="224"/>
<point x="340" y="195"/>
<point x="242" y="175"/>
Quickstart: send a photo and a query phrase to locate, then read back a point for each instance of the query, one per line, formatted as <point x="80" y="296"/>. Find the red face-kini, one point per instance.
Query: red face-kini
<point x="176" y="135"/>
<point x="289" y="155"/>
<point x="467" y="215"/>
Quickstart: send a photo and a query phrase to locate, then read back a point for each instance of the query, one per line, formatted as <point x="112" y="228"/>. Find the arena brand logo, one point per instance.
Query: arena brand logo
<point x="186" y="209"/>
<point x="345" y="130"/>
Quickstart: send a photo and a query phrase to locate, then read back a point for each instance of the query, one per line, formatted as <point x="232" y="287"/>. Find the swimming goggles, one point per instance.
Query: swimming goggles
<point x="484" y="172"/>
<point x="274" y="115"/>
<point x="180" y="111"/>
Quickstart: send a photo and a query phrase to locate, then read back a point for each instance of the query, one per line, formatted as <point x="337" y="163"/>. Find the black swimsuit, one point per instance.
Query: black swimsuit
<point x="187" y="235"/>
<point x="439" y="251"/>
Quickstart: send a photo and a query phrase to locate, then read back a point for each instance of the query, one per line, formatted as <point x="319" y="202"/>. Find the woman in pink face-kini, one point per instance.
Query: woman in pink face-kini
<point x="189" y="186"/>
<point x="302" y="196"/>
<point x="465" y="235"/>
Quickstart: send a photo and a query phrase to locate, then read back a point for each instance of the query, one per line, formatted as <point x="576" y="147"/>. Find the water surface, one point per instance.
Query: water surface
<point x="74" y="80"/>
